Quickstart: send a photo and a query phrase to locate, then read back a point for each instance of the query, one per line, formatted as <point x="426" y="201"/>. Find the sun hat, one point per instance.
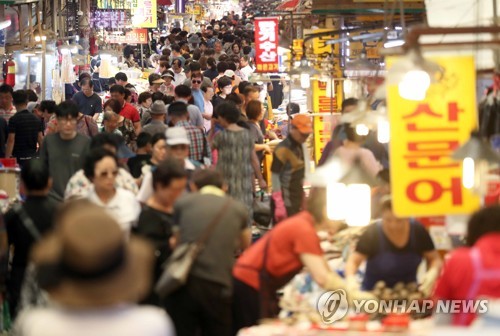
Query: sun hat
<point x="158" y="107"/>
<point x="303" y="123"/>
<point x="177" y="136"/>
<point x="167" y="74"/>
<point x="87" y="262"/>
<point x="155" y="79"/>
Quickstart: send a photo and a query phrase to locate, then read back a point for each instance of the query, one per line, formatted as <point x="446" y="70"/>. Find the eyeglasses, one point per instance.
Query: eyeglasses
<point x="196" y="81"/>
<point x="113" y="173"/>
<point x="66" y="120"/>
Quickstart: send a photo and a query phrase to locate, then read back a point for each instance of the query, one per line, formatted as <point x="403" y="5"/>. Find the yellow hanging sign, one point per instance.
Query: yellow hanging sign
<point x="425" y="181"/>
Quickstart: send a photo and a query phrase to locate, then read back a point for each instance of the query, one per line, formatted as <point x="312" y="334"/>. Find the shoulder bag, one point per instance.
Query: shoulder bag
<point x="178" y="266"/>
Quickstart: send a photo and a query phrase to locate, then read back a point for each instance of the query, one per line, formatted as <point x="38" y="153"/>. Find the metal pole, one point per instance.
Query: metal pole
<point x="28" y="70"/>
<point x="43" y="68"/>
<point x="142" y="57"/>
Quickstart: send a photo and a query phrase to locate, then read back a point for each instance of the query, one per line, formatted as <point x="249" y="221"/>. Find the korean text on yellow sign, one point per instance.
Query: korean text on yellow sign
<point x="144" y="13"/>
<point x="425" y="181"/>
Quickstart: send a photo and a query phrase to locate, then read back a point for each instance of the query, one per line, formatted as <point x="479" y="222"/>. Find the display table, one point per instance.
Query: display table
<point x="417" y="328"/>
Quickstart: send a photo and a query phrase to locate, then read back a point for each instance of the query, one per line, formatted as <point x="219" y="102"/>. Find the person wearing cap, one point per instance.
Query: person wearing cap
<point x="199" y="150"/>
<point x="158" y="113"/>
<point x="178" y="148"/>
<point x="155" y="82"/>
<point x="194" y="40"/>
<point x="79" y="186"/>
<point x="168" y="87"/>
<point x="288" y="169"/>
<point x="95" y="276"/>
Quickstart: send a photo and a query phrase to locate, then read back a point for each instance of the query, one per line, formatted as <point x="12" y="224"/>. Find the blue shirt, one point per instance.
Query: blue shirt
<point x="198" y="100"/>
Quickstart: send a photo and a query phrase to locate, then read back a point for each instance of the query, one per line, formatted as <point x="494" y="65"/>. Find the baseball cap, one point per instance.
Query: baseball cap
<point x="303" y="123"/>
<point x="177" y="136"/>
<point x="229" y="73"/>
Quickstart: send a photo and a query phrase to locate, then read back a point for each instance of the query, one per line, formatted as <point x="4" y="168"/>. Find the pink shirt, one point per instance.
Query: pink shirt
<point x="349" y="154"/>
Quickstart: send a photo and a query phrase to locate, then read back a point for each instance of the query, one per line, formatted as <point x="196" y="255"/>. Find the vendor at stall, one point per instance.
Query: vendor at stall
<point x="393" y="250"/>
<point x="277" y="257"/>
<point x="473" y="272"/>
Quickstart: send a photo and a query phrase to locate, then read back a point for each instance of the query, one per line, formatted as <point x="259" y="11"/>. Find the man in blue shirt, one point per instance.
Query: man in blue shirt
<point x="196" y="80"/>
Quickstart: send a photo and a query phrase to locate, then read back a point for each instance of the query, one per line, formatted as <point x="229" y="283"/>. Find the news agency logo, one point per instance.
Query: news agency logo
<point x="332" y="306"/>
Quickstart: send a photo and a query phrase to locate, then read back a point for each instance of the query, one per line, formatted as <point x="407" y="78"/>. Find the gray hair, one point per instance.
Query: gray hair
<point x="109" y="115"/>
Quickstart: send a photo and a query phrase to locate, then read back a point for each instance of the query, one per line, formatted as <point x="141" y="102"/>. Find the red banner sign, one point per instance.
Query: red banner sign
<point x="266" y="44"/>
<point x="135" y="36"/>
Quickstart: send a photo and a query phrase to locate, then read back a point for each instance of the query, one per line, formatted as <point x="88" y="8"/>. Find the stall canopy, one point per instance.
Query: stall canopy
<point x="361" y="6"/>
<point x="289" y="5"/>
<point x="462" y="13"/>
<point x="164" y="2"/>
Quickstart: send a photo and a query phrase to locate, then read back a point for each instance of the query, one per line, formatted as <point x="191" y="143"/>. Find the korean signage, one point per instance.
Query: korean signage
<point x="144" y="13"/>
<point x="115" y="19"/>
<point x="135" y="36"/>
<point x="323" y="125"/>
<point x="113" y="4"/>
<point x="425" y="180"/>
<point x="266" y="44"/>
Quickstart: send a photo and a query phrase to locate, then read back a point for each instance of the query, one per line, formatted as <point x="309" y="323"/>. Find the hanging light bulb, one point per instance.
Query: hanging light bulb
<point x="414" y="85"/>
<point x="414" y="74"/>
<point x="362" y="130"/>
<point x="357" y="197"/>
<point x="476" y="156"/>
<point x="358" y="204"/>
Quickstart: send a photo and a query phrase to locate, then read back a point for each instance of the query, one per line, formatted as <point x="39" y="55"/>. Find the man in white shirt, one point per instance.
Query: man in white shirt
<point x="245" y="66"/>
<point x="179" y="75"/>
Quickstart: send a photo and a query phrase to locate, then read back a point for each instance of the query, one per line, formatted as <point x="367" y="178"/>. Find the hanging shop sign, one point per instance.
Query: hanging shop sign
<point x="113" y="4"/>
<point x="323" y="125"/>
<point x="266" y="44"/>
<point x="144" y="13"/>
<point x="425" y="180"/>
<point x="115" y="19"/>
<point x="135" y="36"/>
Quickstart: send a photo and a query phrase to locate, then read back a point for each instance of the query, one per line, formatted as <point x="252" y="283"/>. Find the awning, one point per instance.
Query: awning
<point x="164" y="2"/>
<point x="289" y="5"/>
<point x="322" y="7"/>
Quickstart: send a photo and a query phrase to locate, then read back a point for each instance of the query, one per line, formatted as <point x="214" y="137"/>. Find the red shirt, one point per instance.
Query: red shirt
<point x="458" y="273"/>
<point x="130" y="112"/>
<point x="289" y="239"/>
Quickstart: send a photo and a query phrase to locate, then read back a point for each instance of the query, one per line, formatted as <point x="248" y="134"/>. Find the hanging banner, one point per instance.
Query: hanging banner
<point x="144" y="13"/>
<point x="113" y="4"/>
<point x="266" y="44"/>
<point x="135" y="36"/>
<point x="115" y="19"/>
<point x="425" y="180"/>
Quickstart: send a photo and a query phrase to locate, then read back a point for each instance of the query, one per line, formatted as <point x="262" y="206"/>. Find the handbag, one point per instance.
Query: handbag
<point x="179" y="264"/>
<point x="262" y="209"/>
